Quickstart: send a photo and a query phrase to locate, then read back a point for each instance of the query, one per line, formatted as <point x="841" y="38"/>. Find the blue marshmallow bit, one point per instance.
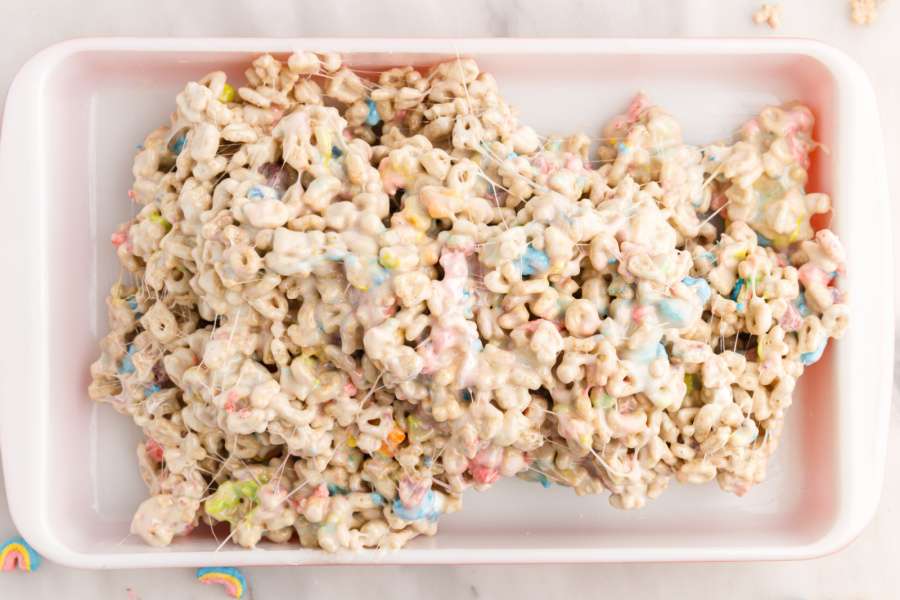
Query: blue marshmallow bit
<point x="373" y="117"/>
<point x="533" y="261"/>
<point x="255" y="193"/>
<point x="802" y="308"/>
<point x="178" y="144"/>
<point x="737" y="289"/>
<point x="127" y="366"/>
<point x="661" y="351"/>
<point x="379" y="275"/>
<point x="700" y="287"/>
<point x="336" y="490"/>
<point x="150" y="390"/>
<point x="263" y="192"/>
<point x="647" y="354"/>
<point x="763" y="240"/>
<point x="673" y="311"/>
<point x="377" y="499"/>
<point x="808" y="358"/>
<point x="426" y="509"/>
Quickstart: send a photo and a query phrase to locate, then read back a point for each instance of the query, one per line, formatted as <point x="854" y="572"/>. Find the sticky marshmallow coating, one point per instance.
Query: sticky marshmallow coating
<point x="352" y="300"/>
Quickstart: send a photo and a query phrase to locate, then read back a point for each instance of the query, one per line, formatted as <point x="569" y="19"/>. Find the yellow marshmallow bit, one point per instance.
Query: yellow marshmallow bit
<point x="227" y="94"/>
<point x="388" y="260"/>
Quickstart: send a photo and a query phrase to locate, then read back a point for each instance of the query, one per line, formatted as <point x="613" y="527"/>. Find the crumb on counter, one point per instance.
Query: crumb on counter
<point x="864" y="12"/>
<point x="769" y="14"/>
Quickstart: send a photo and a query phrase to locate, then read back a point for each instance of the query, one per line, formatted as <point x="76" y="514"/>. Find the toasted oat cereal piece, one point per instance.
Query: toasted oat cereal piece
<point x="770" y="14"/>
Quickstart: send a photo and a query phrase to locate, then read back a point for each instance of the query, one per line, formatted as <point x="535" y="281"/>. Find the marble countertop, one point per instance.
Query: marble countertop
<point x="865" y="569"/>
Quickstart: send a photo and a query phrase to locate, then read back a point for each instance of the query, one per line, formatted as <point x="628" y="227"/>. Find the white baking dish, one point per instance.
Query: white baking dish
<point x="75" y="113"/>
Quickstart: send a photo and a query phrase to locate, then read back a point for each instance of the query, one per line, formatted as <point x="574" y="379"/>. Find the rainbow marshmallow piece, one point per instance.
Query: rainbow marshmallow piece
<point x="17" y="552"/>
<point x="231" y="578"/>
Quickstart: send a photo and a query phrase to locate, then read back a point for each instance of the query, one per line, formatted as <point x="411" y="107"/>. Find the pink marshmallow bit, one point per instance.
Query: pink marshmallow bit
<point x="454" y="264"/>
<point x="799" y="150"/>
<point x="799" y="120"/>
<point x="791" y="319"/>
<point x="810" y="274"/>
<point x="574" y="164"/>
<point x="442" y="338"/>
<point x="412" y="492"/>
<point x="717" y="202"/>
<point x="750" y="128"/>
<point x="484" y="475"/>
<point x="638" y="313"/>
<point x="154" y="450"/>
<point x="637" y="106"/>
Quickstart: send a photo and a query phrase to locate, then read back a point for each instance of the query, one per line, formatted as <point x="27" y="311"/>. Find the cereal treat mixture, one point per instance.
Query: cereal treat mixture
<point x="347" y="300"/>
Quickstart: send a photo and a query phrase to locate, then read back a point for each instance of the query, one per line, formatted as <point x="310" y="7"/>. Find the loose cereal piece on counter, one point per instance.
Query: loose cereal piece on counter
<point x="864" y="12"/>
<point x="770" y="14"/>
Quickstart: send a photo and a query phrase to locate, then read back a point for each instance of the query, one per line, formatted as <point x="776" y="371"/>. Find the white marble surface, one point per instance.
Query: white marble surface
<point x="866" y="569"/>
